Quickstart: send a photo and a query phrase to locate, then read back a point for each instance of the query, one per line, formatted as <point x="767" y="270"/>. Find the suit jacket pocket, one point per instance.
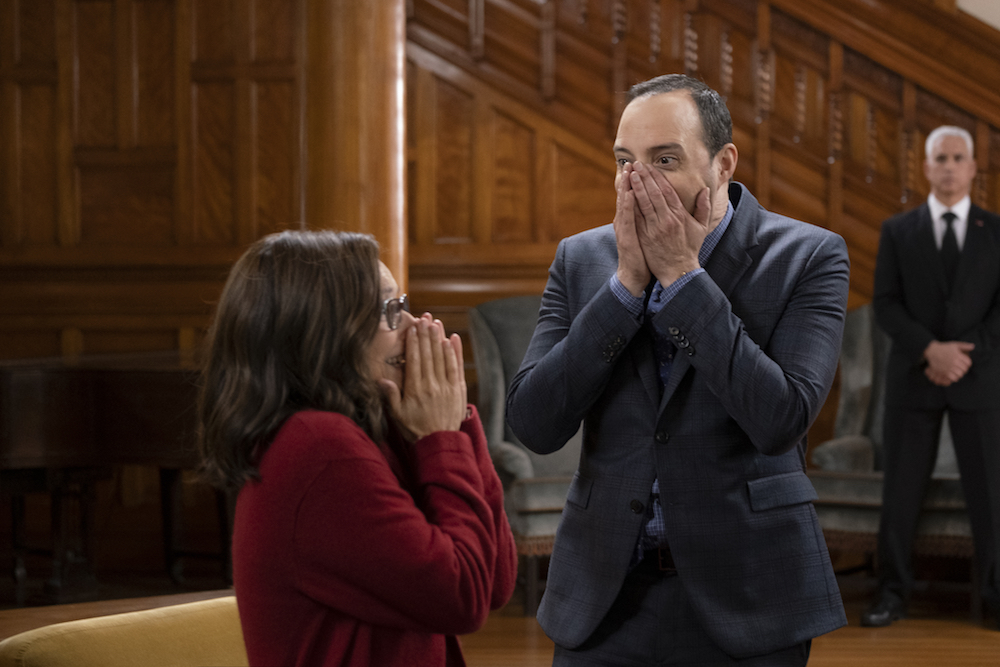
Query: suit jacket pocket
<point x="579" y="490"/>
<point x="790" y="488"/>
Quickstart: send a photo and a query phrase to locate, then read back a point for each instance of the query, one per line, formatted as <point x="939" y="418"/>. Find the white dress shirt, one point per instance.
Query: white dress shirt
<point x="960" y="224"/>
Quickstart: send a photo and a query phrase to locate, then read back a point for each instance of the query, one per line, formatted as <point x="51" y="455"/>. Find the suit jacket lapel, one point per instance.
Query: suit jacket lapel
<point x="729" y="261"/>
<point x="924" y="238"/>
<point x="644" y="360"/>
<point x="975" y="238"/>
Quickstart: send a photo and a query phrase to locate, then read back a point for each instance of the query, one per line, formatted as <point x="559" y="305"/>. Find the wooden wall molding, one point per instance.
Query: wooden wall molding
<point x="830" y="100"/>
<point x="145" y="143"/>
<point x="503" y="134"/>
<point x="949" y="54"/>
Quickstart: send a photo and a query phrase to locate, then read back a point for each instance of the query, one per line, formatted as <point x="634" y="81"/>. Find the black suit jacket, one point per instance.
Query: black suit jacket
<point x="913" y="306"/>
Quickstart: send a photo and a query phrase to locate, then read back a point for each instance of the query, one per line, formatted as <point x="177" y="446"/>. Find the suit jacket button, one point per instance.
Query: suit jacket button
<point x="673" y="331"/>
<point x="636" y="507"/>
<point x="662" y="436"/>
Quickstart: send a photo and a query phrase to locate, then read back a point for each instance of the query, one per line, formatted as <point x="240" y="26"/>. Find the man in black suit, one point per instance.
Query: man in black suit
<point x="937" y="296"/>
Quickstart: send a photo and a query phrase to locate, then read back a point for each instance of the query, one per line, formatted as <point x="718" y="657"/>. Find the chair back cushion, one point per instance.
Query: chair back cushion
<point x="500" y="332"/>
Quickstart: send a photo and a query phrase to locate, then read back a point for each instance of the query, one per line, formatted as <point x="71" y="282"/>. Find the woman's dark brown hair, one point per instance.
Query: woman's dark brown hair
<point x="291" y="332"/>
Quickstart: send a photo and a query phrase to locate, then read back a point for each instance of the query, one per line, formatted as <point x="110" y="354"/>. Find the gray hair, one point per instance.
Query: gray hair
<point x="946" y="131"/>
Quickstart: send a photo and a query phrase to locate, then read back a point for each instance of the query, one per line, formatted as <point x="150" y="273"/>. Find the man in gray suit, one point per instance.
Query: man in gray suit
<point x="696" y="337"/>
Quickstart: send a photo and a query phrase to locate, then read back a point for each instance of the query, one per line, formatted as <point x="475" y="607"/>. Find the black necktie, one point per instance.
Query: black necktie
<point x="949" y="248"/>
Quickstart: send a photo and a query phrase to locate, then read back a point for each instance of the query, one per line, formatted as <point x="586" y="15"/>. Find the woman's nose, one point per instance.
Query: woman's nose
<point x="406" y="320"/>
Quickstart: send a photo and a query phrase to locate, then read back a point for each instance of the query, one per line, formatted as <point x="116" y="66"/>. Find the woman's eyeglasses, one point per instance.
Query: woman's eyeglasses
<point x="392" y="310"/>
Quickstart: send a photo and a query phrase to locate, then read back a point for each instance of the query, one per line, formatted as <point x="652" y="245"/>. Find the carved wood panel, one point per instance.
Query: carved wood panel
<point x="829" y="114"/>
<point x="135" y="134"/>
<point x="829" y="123"/>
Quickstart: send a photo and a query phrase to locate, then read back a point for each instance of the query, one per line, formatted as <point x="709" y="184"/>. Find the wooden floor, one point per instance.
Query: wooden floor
<point x="507" y="641"/>
<point x="938" y="633"/>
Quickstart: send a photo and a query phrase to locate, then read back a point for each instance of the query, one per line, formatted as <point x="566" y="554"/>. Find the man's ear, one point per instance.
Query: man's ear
<point x="725" y="161"/>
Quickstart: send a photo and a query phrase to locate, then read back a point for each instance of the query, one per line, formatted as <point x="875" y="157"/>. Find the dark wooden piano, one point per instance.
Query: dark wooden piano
<point x="66" y="423"/>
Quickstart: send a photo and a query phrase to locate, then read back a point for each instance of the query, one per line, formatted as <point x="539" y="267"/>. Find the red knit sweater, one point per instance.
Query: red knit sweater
<point x="336" y="561"/>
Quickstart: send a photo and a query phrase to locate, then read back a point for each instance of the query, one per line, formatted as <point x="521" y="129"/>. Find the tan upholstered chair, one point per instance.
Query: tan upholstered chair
<point x="535" y="486"/>
<point x="196" y="634"/>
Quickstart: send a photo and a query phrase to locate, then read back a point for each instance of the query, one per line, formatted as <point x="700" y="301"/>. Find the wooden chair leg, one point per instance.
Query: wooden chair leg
<point x="531" y="595"/>
<point x="54" y="587"/>
<point x="170" y="512"/>
<point x="224" y="508"/>
<point x="20" y="549"/>
<point x="172" y="509"/>
<point x="976" y="595"/>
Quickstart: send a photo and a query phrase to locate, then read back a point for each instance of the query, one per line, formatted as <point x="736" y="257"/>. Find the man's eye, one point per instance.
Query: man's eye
<point x="666" y="160"/>
<point x="622" y="161"/>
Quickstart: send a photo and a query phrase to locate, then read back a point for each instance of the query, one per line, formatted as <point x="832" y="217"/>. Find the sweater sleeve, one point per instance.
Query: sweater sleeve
<point x="368" y="549"/>
<point x="505" y="574"/>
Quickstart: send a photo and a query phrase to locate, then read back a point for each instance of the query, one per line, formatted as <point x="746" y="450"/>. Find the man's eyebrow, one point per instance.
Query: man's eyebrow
<point x="673" y="146"/>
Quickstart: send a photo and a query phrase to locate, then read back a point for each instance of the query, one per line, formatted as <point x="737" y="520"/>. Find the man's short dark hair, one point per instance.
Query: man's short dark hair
<point x="716" y="123"/>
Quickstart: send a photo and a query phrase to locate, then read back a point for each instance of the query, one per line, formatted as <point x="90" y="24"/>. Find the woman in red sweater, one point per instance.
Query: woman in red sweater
<point x="369" y="524"/>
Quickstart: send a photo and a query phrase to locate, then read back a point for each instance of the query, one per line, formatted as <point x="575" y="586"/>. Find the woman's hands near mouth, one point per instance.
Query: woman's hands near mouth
<point x="434" y="393"/>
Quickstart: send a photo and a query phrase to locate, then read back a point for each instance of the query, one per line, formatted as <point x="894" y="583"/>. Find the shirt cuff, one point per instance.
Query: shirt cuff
<point x="633" y="304"/>
<point x="671" y="290"/>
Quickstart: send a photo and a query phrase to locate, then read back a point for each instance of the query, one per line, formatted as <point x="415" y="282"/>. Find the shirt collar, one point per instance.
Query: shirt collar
<point x="961" y="209"/>
<point x="714" y="236"/>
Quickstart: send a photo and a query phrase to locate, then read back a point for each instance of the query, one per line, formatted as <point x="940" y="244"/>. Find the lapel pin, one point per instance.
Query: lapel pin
<point x="979" y="223"/>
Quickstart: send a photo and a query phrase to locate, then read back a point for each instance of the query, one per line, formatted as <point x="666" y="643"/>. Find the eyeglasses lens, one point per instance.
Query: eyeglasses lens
<point x="394" y="311"/>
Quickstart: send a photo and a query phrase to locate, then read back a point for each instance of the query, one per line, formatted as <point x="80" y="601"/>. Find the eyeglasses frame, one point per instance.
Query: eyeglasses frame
<point x="403" y="304"/>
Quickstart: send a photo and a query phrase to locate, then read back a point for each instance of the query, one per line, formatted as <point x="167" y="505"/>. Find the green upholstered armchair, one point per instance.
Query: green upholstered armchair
<point x="535" y="486"/>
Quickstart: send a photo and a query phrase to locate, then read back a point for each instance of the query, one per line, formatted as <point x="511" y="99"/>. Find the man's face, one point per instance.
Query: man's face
<point x="950" y="169"/>
<point x="664" y="131"/>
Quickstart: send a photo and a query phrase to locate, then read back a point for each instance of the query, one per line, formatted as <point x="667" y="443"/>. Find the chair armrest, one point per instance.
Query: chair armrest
<point x="512" y="462"/>
<point x="850" y="453"/>
<point x="206" y="632"/>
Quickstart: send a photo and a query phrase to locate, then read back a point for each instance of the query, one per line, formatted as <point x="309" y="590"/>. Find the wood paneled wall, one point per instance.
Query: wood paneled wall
<point x="831" y="103"/>
<point x="145" y="143"/>
<point x="513" y="106"/>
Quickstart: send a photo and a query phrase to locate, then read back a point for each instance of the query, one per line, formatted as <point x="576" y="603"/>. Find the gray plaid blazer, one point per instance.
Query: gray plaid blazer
<point x="758" y="337"/>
